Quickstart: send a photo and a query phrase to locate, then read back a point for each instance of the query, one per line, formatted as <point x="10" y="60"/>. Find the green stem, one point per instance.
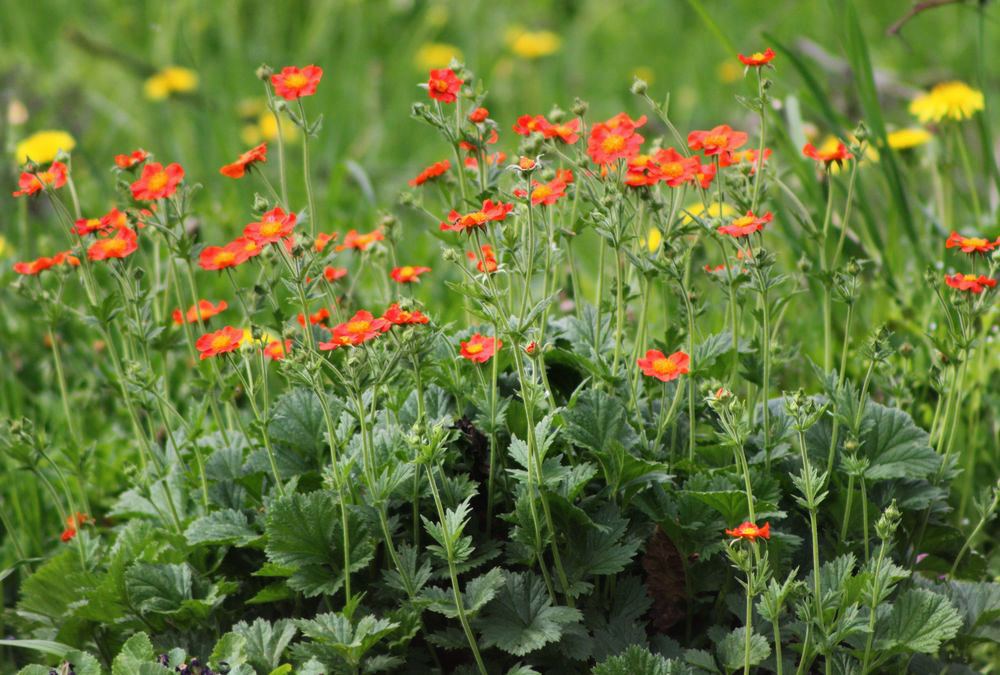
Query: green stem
<point x="307" y="174"/>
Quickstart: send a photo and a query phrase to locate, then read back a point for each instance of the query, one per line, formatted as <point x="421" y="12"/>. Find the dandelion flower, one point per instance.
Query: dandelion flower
<point x="947" y="100"/>
<point x="43" y="146"/>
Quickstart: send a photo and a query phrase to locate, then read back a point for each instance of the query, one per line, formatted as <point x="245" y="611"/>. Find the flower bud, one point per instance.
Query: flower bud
<point x="887" y="524"/>
<point x="450" y="255"/>
<point x="639" y="87"/>
<point x="264" y="72"/>
<point x="260" y="203"/>
<point x="853" y="267"/>
<point x="557" y="115"/>
<point x="579" y="107"/>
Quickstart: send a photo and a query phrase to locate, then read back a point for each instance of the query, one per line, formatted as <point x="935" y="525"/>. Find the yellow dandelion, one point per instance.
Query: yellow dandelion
<point x="948" y="100"/>
<point x="170" y="80"/>
<point x="43" y="146"/>
<point x="435" y="55"/>
<point x="905" y="139"/>
<point x="532" y="44"/>
<point x="653" y="240"/>
<point x="266" y="338"/>
<point x="713" y="210"/>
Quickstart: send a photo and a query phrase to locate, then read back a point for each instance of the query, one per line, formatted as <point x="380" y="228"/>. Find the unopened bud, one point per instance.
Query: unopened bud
<point x="639" y="87"/>
<point x="579" y="107"/>
<point x="887" y="524"/>
<point x="264" y="72"/>
<point x="557" y="115"/>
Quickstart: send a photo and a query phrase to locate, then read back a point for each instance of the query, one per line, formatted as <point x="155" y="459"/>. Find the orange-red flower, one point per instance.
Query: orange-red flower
<point x="433" y="171"/>
<point x="221" y="341"/>
<point x="84" y="226"/>
<point x="131" y="159"/>
<point x="292" y="83"/>
<point x="748" y="156"/>
<point x="565" y="175"/>
<point x="114" y="219"/>
<point x="399" y="317"/>
<point x="716" y="141"/>
<point x="204" y="309"/>
<point x="73" y="522"/>
<point x="664" y="368"/>
<point x="30" y="183"/>
<point x="674" y="168"/>
<point x="568" y="133"/>
<point x="746" y="225"/>
<point x="221" y="257"/>
<point x="479" y="349"/>
<point x="704" y="175"/>
<point x="530" y="348"/>
<point x="322" y="239"/>
<point x="239" y="168"/>
<point x="443" y="85"/>
<point x="491" y="210"/>
<point x="407" y="273"/>
<point x="641" y="171"/>
<point x="43" y="263"/>
<point x="157" y="181"/>
<point x="529" y="124"/>
<point x="479" y="115"/>
<point x="544" y="193"/>
<point x="247" y="247"/>
<point x="276" y="349"/>
<point x="615" y="139"/>
<point x="486" y="262"/>
<point x="361" y="327"/>
<point x="495" y="158"/>
<point x="121" y="244"/>
<point x="970" y="282"/>
<point x="315" y="318"/>
<point x="839" y="154"/>
<point x="757" y="59"/>
<point x="360" y="242"/>
<point x="970" y="244"/>
<point x="273" y="226"/>
<point x="331" y="274"/>
<point x="749" y="531"/>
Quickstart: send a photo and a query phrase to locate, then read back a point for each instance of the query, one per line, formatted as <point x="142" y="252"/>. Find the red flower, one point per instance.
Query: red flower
<point x="642" y="171"/>
<point x="544" y="193"/>
<point x="970" y="282"/>
<point x="399" y="317"/>
<point x="292" y="83"/>
<point x="72" y="523"/>
<point x="114" y="219"/>
<point x="747" y="225"/>
<point x="203" y="310"/>
<point x="466" y="223"/>
<point x="433" y="171"/>
<point x="479" y="115"/>
<point x="246" y="247"/>
<point x="322" y="239"/>
<point x="407" y="274"/>
<point x="757" y="59"/>
<point x="238" y="168"/>
<point x="274" y="226"/>
<point x="315" y="318"/>
<point x="529" y="124"/>
<point x="479" y="349"/>
<point x="85" y="226"/>
<point x="495" y="158"/>
<point x="970" y="244"/>
<point x="443" y="85"/>
<point x="568" y="133"/>
<point x="749" y="531"/>
<point x="29" y="183"/>
<point x="41" y="264"/>
<point x="743" y="156"/>
<point x="674" y="168"/>
<point x="487" y="263"/>
<point x="615" y="139"/>
<point x="565" y="175"/>
<point x="157" y="181"/>
<point x="530" y="347"/>
<point x="838" y="155"/>
<point x="664" y="368"/>
<point x="363" y="326"/>
<point x="221" y="341"/>
<point x="705" y="174"/>
<point x="361" y="242"/>
<point x="716" y="141"/>
<point x="130" y="160"/>
<point x="276" y="349"/>
<point x="121" y="244"/>
<point x="221" y="257"/>
<point x="331" y="274"/>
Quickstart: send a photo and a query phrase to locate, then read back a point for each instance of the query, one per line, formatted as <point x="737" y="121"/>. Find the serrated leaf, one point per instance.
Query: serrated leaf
<point x="136" y="651"/>
<point x="732" y="647"/>
<point x="895" y="446"/>
<point x="521" y="618"/>
<point x="638" y="660"/>
<point x="596" y="420"/>
<point x="265" y="642"/>
<point x="297" y="422"/>
<point x="919" y="622"/>
<point x="225" y="526"/>
<point x="231" y="648"/>
<point x="159" y="588"/>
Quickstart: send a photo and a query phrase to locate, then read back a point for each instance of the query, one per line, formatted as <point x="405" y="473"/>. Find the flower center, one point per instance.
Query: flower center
<point x="970" y="277"/>
<point x="664" y="366"/>
<point x="757" y="56"/>
<point x="743" y="222"/>
<point x="114" y="245"/>
<point x="613" y="143"/>
<point x="47" y="177"/>
<point x="974" y="242"/>
<point x="357" y="326"/>
<point x="220" y="341"/>
<point x="672" y="169"/>
<point x="296" y="81"/>
<point x="716" y="140"/>
<point x="157" y="181"/>
<point x="440" y="85"/>
<point x="406" y="271"/>
<point x="541" y="192"/>
<point x="477" y="218"/>
<point x="474" y="349"/>
<point x="224" y="257"/>
<point x="270" y="229"/>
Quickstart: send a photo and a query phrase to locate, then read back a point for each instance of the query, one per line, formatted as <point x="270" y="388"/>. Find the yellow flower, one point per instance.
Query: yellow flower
<point x="712" y="211"/>
<point x="830" y="144"/>
<point x="435" y="55"/>
<point x="170" y="80"/>
<point x="904" y="139"/>
<point x="259" y="124"/>
<point x="266" y="338"/>
<point x="3" y="247"/>
<point x="729" y="71"/>
<point x="532" y="44"/>
<point x="653" y="239"/>
<point x="951" y="100"/>
<point x="43" y="146"/>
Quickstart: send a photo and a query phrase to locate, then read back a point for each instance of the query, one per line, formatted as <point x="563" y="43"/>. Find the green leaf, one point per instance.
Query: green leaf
<point x="895" y="446"/>
<point x="226" y="526"/>
<point x="521" y="618"/>
<point x="596" y="420"/>
<point x="605" y="549"/>
<point x="918" y="622"/>
<point x="298" y="423"/>
<point x="265" y="642"/>
<point x="160" y="588"/>
<point x="136" y="651"/>
<point x="477" y="594"/>
<point x="43" y="646"/>
<point x="350" y="641"/>
<point x="304" y="532"/>
<point x="732" y="504"/>
<point x="977" y="603"/>
<point x="732" y="647"/>
<point x="638" y="660"/>
<point x="231" y="648"/>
